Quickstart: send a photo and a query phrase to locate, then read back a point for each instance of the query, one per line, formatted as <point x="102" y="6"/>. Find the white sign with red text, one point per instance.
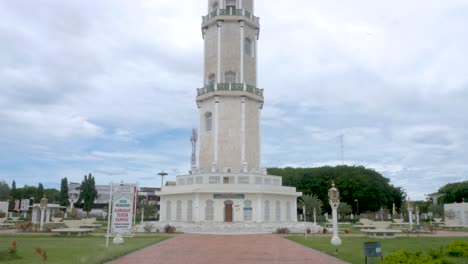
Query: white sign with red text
<point x="123" y="209"/>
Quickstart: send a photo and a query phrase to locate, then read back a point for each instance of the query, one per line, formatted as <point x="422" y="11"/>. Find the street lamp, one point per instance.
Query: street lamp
<point x="357" y="206"/>
<point x="162" y="174"/>
<point x="334" y="200"/>
<point x="409" y="206"/>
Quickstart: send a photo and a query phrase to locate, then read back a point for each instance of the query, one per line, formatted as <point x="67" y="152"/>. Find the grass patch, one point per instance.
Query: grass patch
<point x="352" y="248"/>
<point x="87" y="249"/>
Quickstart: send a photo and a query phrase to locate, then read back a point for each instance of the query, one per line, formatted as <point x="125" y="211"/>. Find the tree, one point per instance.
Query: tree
<point x="454" y="192"/>
<point x="88" y="193"/>
<point x="13" y="196"/>
<point x="4" y="191"/>
<point x="39" y="193"/>
<point x="310" y="202"/>
<point x="64" y="192"/>
<point x="344" y="209"/>
<point x="369" y="187"/>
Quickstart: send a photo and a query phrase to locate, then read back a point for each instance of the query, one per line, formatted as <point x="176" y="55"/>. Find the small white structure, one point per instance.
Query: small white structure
<point x="4" y="207"/>
<point x="48" y="212"/>
<point x="456" y="214"/>
<point x="334" y="198"/>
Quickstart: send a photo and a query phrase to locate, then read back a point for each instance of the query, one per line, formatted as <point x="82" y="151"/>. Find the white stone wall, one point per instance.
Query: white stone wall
<point x="460" y="211"/>
<point x="238" y="207"/>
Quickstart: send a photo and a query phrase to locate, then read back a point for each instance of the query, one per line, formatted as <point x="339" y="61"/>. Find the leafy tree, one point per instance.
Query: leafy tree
<point x="88" y="193"/>
<point x="53" y="195"/>
<point x="4" y="191"/>
<point x="344" y="209"/>
<point x="64" y="192"/>
<point x="372" y="190"/>
<point x="310" y="202"/>
<point x="39" y="193"/>
<point x="454" y="192"/>
<point x="26" y="192"/>
<point x="13" y="192"/>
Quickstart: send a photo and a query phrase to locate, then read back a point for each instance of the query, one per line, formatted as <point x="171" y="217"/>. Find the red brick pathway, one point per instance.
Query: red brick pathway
<point x="226" y="249"/>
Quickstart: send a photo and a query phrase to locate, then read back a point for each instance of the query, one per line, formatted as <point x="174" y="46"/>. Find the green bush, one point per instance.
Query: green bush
<point x="404" y="256"/>
<point x="457" y="248"/>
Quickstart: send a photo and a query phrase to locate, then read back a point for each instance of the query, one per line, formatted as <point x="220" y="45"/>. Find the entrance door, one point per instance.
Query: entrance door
<point x="228" y="211"/>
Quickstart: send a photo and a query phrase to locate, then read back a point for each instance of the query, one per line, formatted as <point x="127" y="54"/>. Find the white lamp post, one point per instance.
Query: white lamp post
<point x="409" y="205"/>
<point x="43" y="208"/>
<point x="334" y="200"/>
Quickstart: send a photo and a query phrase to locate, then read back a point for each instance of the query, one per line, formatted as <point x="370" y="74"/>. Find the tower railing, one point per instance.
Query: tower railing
<point x="230" y="87"/>
<point x="230" y="12"/>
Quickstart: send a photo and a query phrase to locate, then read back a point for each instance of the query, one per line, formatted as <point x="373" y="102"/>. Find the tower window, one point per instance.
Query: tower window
<point x="211" y="79"/>
<point x="230" y="77"/>
<point x="248" y="47"/>
<point x="208" y="121"/>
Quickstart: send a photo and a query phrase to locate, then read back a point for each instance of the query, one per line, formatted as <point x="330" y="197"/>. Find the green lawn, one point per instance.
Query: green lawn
<point x="352" y="249"/>
<point x="61" y="250"/>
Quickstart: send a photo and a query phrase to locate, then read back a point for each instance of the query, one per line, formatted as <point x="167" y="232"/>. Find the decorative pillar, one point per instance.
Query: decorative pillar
<point x="295" y="209"/>
<point x="242" y="23"/>
<point x="215" y="138"/>
<point x="259" y="207"/>
<point x="244" y="163"/>
<point x="417" y="215"/>
<point x="48" y="211"/>
<point x="220" y="23"/>
<point x="315" y="216"/>
<point x="197" y="206"/>
<point x="334" y="199"/>
<point x="162" y="209"/>
<point x="43" y="207"/>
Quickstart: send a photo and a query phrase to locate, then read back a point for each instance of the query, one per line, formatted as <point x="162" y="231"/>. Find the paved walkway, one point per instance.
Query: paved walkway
<point x="227" y="249"/>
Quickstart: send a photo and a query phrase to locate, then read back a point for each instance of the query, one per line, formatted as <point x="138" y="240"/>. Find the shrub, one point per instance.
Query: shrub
<point x="2" y="214"/>
<point x="25" y="226"/>
<point x="10" y="254"/>
<point x="169" y="228"/>
<point x="309" y="231"/>
<point x="404" y="256"/>
<point x="41" y="252"/>
<point x="12" y="249"/>
<point x="282" y="230"/>
<point x="324" y="231"/>
<point x="457" y="248"/>
<point x="148" y="228"/>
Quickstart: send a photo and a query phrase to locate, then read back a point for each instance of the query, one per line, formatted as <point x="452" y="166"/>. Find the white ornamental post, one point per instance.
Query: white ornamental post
<point x="409" y="205"/>
<point x="315" y="216"/>
<point x="43" y="208"/>
<point x="334" y="200"/>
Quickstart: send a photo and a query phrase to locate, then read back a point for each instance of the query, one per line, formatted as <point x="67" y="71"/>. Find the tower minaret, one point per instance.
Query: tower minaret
<point x="230" y="102"/>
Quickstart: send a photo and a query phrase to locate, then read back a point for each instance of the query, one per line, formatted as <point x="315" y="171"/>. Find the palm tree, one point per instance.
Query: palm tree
<point x="310" y="202"/>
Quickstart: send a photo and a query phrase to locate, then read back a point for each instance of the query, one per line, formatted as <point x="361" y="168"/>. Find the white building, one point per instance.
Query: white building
<point x="229" y="184"/>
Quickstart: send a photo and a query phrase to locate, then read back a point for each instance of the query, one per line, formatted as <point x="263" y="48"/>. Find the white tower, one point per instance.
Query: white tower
<point x="230" y="102"/>
<point x="228" y="186"/>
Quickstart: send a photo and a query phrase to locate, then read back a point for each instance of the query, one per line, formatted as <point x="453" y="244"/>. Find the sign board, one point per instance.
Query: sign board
<point x="123" y="207"/>
<point x="24" y="205"/>
<point x="228" y="196"/>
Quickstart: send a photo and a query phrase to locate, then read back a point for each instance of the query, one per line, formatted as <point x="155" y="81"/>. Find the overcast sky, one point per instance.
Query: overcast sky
<point x="108" y="87"/>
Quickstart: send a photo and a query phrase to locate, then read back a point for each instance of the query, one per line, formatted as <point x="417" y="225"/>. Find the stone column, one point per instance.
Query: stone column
<point x="244" y="163"/>
<point x="259" y="207"/>
<point x="220" y="23"/>
<point x="216" y="132"/>
<point x="162" y="209"/>
<point x="242" y="23"/>
<point x="48" y="210"/>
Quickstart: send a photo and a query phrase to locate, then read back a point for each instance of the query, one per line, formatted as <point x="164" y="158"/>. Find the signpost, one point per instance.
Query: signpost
<point x="122" y="205"/>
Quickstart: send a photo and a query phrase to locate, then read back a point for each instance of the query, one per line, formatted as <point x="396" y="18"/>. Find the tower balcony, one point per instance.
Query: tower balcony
<point x="239" y="87"/>
<point x="220" y="14"/>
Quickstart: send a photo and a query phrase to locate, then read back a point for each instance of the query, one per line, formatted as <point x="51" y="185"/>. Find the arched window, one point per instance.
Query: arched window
<point x="189" y="210"/>
<point x="209" y="210"/>
<point x="247" y="210"/>
<point x="230" y="77"/>
<point x="179" y="211"/>
<point x="267" y="211"/>
<point x="278" y="211"/>
<point x="208" y="121"/>
<point x="248" y="47"/>
<point x="211" y="79"/>
<point x="168" y="210"/>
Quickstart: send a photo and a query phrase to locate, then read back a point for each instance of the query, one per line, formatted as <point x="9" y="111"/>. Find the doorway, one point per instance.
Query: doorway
<point x="228" y="211"/>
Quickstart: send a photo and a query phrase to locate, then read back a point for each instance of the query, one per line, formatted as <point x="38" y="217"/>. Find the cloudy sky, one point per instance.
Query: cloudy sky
<point x="108" y="87"/>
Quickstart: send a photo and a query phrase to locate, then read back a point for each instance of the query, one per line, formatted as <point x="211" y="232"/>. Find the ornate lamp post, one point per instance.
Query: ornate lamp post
<point x="162" y="174"/>
<point x="43" y="208"/>
<point x="409" y="206"/>
<point x="334" y="200"/>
